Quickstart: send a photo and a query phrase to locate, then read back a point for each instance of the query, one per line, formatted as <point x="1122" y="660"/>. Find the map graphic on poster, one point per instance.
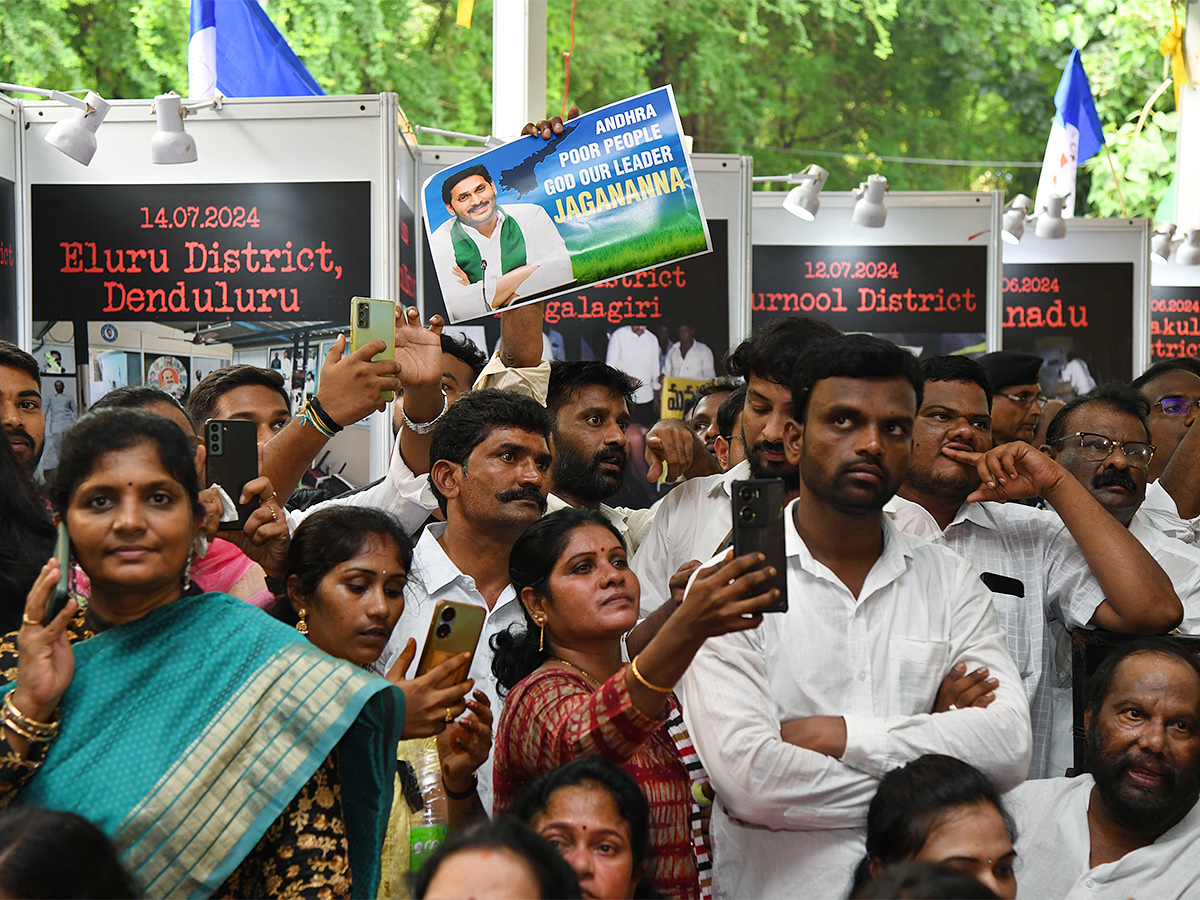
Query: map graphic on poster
<point x="612" y="195"/>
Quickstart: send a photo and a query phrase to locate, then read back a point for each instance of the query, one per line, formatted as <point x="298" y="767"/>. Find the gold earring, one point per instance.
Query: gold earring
<point x="542" y="636"/>
<point x="302" y="625"/>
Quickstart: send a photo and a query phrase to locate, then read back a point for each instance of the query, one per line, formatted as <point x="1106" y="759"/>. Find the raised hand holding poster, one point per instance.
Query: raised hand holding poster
<point x="613" y="194"/>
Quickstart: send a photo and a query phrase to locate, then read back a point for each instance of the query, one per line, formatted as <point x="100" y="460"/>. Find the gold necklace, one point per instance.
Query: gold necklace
<point x="570" y="665"/>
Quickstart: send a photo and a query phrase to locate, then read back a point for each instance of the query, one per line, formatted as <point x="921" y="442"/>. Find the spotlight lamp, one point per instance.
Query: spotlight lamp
<point x="1188" y="253"/>
<point x="870" y="210"/>
<point x="75" y="136"/>
<point x="804" y="200"/>
<point x="171" y="144"/>
<point x="1050" y="221"/>
<point x="1014" y="219"/>
<point x="1160" y="244"/>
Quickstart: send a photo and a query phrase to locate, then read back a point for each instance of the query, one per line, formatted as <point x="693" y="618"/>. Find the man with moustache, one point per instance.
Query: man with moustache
<point x="1130" y="827"/>
<point x="21" y="414"/>
<point x="701" y="411"/>
<point x="1172" y="505"/>
<point x="1083" y="569"/>
<point x="696" y="518"/>
<point x="490" y="474"/>
<point x="1018" y="399"/>
<point x="797" y="720"/>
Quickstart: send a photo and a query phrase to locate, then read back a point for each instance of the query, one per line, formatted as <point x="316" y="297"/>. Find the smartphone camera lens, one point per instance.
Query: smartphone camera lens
<point x="448" y="614"/>
<point x="443" y="630"/>
<point x="748" y="494"/>
<point x="747" y="513"/>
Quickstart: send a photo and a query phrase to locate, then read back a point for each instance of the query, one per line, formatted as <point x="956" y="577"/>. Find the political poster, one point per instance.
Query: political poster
<point x="612" y="195"/>
<point x="1174" y="322"/>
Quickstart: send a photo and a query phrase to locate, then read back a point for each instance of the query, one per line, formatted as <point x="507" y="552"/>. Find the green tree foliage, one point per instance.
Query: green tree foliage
<point x="847" y="84"/>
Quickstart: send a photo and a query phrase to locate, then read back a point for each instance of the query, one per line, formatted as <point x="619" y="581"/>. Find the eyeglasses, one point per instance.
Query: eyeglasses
<point x="1026" y="399"/>
<point x="1177" y="406"/>
<point x="1097" y="447"/>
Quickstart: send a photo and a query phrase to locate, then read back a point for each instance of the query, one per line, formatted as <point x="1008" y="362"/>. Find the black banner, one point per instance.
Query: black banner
<point x="693" y="292"/>
<point x="200" y="252"/>
<point x="927" y="297"/>
<point x="1174" y="322"/>
<point x="1071" y="311"/>
<point x="408" y="253"/>
<point x="8" y="260"/>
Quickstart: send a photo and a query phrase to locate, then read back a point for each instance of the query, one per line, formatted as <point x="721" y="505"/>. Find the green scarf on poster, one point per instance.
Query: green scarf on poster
<point x="468" y="258"/>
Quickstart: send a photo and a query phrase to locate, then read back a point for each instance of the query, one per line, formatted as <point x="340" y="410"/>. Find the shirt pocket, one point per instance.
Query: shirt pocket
<point x="1012" y="615"/>
<point x="915" y="668"/>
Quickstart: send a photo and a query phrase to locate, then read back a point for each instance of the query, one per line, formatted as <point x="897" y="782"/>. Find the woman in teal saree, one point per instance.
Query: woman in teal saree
<point x="221" y="751"/>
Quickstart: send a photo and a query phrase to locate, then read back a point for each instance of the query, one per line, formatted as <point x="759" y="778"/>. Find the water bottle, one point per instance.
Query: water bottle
<point x="430" y="824"/>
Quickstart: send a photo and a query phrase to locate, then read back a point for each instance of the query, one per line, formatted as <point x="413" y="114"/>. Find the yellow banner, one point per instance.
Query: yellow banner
<point x="676" y="392"/>
<point x="465" y="8"/>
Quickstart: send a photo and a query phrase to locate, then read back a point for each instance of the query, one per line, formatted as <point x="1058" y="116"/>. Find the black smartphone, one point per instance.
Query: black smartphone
<point x="61" y="592"/>
<point x="232" y="460"/>
<point x="758" y="528"/>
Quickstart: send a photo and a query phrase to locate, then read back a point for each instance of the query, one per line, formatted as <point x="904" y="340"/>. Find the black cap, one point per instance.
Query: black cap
<point x="1006" y="367"/>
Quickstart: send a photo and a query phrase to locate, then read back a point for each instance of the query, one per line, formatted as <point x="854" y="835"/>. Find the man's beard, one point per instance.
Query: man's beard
<point x="1137" y="810"/>
<point x="29" y="464"/>
<point x="928" y="481"/>
<point x="830" y="491"/>
<point x="760" y="468"/>
<point x="580" y="477"/>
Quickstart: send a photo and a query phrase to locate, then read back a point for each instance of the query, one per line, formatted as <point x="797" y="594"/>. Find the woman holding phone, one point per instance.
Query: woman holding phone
<point x="167" y="716"/>
<point x="570" y="695"/>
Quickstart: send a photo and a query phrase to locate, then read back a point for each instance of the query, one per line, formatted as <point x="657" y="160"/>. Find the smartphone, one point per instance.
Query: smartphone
<point x="455" y="629"/>
<point x="758" y="505"/>
<point x="373" y="320"/>
<point x="61" y="592"/>
<point x="232" y="461"/>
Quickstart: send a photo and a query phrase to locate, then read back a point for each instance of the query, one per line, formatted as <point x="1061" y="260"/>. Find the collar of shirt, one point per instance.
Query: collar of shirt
<point x="555" y="503"/>
<point x="437" y="570"/>
<point x="724" y="481"/>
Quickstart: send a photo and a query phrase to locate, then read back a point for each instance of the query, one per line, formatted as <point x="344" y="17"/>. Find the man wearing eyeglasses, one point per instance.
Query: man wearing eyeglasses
<point x="1172" y="388"/>
<point x="1018" y="400"/>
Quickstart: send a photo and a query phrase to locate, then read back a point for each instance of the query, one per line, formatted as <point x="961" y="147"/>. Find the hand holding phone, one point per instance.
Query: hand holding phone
<point x="454" y="629"/>
<point x="758" y="505"/>
<point x="61" y="592"/>
<point x="373" y="320"/>
<point x="232" y="462"/>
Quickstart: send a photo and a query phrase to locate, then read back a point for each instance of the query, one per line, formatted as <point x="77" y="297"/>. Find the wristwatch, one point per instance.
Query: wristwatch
<point x="424" y="427"/>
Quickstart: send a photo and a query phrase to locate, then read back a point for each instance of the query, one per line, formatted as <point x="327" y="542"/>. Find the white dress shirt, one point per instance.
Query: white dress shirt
<point x="544" y="247"/>
<point x="1034" y="547"/>
<point x="435" y="577"/>
<point x="1160" y="512"/>
<point x="1054" y="849"/>
<point x="637" y="356"/>
<point x="693" y="522"/>
<point x="697" y="364"/>
<point x="790" y="821"/>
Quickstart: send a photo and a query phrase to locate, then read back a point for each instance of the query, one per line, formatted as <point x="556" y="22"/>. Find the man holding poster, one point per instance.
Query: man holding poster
<point x="494" y="253"/>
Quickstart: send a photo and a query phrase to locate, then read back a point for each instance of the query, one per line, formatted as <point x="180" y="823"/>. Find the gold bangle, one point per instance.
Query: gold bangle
<point x="21" y="732"/>
<point x="643" y="682"/>
<point x="26" y="726"/>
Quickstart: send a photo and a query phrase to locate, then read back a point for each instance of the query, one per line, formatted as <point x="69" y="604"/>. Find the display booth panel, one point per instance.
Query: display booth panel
<point x="923" y="280"/>
<point x="10" y="177"/>
<point x="693" y="293"/>
<point x="1080" y="302"/>
<point x="1174" y="311"/>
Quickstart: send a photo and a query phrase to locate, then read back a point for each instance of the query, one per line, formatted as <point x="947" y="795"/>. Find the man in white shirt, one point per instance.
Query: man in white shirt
<point x="689" y="358"/>
<point x="490" y="474"/>
<point x="1039" y="567"/>
<point x="634" y="350"/>
<point x="1172" y="388"/>
<point x="796" y="721"/>
<point x="1018" y="395"/>
<point x="489" y="256"/>
<point x="695" y="519"/>
<point x="1130" y="827"/>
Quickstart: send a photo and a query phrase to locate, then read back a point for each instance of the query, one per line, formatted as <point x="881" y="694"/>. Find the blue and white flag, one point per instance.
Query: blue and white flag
<point x="1075" y="136"/>
<point x="236" y="50"/>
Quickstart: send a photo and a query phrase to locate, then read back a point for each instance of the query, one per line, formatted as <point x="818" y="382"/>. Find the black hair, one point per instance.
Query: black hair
<point x="15" y="358"/>
<point x="515" y="652"/>
<point x="467" y="424"/>
<point x="921" y="880"/>
<point x="772" y="350"/>
<point x="141" y="396"/>
<point x="1099" y="683"/>
<point x="961" y="369"/>
<point x="554" y="877"/>
<point x="26" y="538"/>
<point x="97" y="433"/>
<point x="716" y="386"/>
<point x="464" y="350"/>
<point x="1179" y="364"/>
<point x="567" y="377"/>
<point x="202" y="403"/>
<point x="625" y="792"/>
<point x="730" y="409"/>
<point x="328" y="538"/>
<point x="1114" y="394"/>
<point x="32" y="842"/>
<point x="851" y="356"/>
<point x="454" y="179"/>
<point x="912" y="799"/>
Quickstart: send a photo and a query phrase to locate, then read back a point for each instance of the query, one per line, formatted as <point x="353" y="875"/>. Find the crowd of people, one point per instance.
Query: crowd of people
<point x="237" y="712"/>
